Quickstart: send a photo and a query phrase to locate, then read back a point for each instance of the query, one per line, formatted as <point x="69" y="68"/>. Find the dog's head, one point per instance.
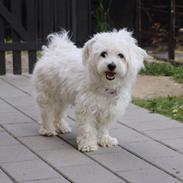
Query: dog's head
<point x="112" y="56"/>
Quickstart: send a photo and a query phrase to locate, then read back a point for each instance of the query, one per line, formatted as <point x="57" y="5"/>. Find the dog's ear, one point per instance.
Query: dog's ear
<point x="137" y="57"/>
<point x="87" y="50"/>
<point x="137" y="54"/>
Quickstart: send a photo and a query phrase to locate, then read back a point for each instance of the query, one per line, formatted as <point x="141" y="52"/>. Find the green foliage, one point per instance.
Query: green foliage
<point x="163" y="69"/>
<point x="39" y="54"/>
<point x="169" y="106"/>
<point x="102" y="17"/>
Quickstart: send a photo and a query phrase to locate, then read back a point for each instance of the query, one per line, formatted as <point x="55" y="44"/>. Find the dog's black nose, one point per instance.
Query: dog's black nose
<point x="111" y="66"/>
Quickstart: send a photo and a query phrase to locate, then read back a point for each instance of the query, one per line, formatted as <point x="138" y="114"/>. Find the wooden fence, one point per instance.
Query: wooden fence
<point x="159" y="23"/>
<point x="24" y="25"/>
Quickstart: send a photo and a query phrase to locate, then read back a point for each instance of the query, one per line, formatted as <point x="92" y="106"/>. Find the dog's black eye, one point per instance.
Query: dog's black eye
<point x="103" y="54"/>
<point x="120" y="55"/>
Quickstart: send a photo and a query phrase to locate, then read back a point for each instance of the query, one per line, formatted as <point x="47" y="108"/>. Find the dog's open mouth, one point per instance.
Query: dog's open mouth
<point x="110" y="75"/>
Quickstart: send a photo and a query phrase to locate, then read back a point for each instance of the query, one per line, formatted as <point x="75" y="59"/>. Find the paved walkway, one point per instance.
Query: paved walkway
<point x="150" y="150"/>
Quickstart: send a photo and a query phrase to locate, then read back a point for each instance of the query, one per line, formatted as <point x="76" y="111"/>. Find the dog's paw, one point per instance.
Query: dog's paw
<point x="86" y="146"/>
<point x="46" y="132"/>
<point x="107" y="141"/>
<point x="63" y="128"/>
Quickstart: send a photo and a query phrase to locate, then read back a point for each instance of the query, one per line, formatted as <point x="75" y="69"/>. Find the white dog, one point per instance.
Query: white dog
<point x="97" y="79"/>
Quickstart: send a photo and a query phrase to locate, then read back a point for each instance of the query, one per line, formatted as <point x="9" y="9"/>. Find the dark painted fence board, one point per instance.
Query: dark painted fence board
<point x="16" y="11"/>
<point x="30" y="21"/>
<point x="60" y="14"/>
<point x="2" y="53"/>
<point x="81" y="14"/>
<point x="47" y="17"/>
<point x="21" y="46"/>
<point x="171" y="46"/>
<point x="32" y="27"/>
<point x="10" y="19"/>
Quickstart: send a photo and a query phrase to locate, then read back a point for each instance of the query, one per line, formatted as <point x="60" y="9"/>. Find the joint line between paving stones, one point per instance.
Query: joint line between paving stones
<point x="154" y="165"/>
<point x="127" y="181"/>
<point x="17" y="109"/>
<point x="9" y="176"/>
<point x="53" y="166"/>
<point x="144" y="134"/>
<point x="147" y="161"/>
<point x="59" y="137"/>
<point x="25" y="92"/>
<point x="26" y="76"/>
<point x="120" y="146"/>
<point x="122" y="178"/>
<point x="25" y="144"/>
<point x="137" y="155"/>
<point x="73" y="119"/>
<point x="60" y="173"/>
<point x="133" y="153"/>
<point x="118" y="121"/>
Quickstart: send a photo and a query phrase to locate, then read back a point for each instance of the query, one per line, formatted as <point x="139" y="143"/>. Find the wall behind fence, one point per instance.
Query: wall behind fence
<point x="25" y="24"/>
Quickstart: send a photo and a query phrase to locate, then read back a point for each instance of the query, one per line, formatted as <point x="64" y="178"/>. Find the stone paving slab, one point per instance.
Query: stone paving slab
<point x="52" y="180"/>
<point x="15" y="153"/>
<point x="30" y="170"/>
<point x="6" y="90"/>
<point x="65" y="157"/>
<point x="176" y="143"/>
<point x="121" y="161"/>
<point x="91" y="173"/>
<point x="147" y="176"/>
<point x="40" y="143"/>
<point x="150" y="145"/>
<point x="171" y="163"/>
<point x="4" y="178"/>
<point x="14" y="118"/>
<point x="170" y="133"/>
<point x="128" y="136"/>
<point x="151" y="150"/>
<point x="23" y="129"/>
<point x="7" y="139"/>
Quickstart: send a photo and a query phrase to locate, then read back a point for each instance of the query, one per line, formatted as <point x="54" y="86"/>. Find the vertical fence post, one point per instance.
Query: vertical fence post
<point x="138" y="21"/>
<point x="16" y="10"/>
<point x="171" y="44"/>
<point x="31" y="10"/>
<point x="47" y="18"/>
<point x="81" y="20"/>
<point x="42" y="15"/>
<point x="2" y="53"/>
<point x="60" y="14"/>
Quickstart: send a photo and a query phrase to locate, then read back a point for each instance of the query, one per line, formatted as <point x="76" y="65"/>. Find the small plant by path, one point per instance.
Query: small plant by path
<point x="171" y="106"/>
<point x="163" y="69"/>
<point x="168" y="106"/>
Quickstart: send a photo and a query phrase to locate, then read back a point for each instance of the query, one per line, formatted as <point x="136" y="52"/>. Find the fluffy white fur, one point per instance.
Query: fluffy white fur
<point x="67" y="75"/>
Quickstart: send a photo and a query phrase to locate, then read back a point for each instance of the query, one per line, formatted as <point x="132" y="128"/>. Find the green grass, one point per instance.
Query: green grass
<point x="163" y="69"/>
<point x="168" y="106"/>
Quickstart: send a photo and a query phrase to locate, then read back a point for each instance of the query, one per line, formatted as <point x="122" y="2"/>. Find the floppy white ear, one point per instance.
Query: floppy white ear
<point x="87" y="49"/>
<point x="138" y="57"/>
<point x="137" y="54"/>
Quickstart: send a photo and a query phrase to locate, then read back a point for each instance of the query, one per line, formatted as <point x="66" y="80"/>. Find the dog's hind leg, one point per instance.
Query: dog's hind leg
<point x="47" y="127"/>
<point x="59" y="118"/>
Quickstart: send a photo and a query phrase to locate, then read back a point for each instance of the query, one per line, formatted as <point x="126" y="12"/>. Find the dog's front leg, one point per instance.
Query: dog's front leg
<point x="87" y="136"/>
<point x="104" y="138"/>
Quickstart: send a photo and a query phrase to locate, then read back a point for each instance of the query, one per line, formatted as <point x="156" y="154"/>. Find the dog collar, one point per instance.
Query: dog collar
<point x="110" y="91"/>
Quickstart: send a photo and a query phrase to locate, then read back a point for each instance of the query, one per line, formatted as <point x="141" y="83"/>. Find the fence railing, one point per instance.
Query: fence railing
<point x="24" y="25"/>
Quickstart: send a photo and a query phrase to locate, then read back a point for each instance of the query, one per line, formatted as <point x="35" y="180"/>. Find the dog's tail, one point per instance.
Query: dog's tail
<point x="58" y="40"/>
